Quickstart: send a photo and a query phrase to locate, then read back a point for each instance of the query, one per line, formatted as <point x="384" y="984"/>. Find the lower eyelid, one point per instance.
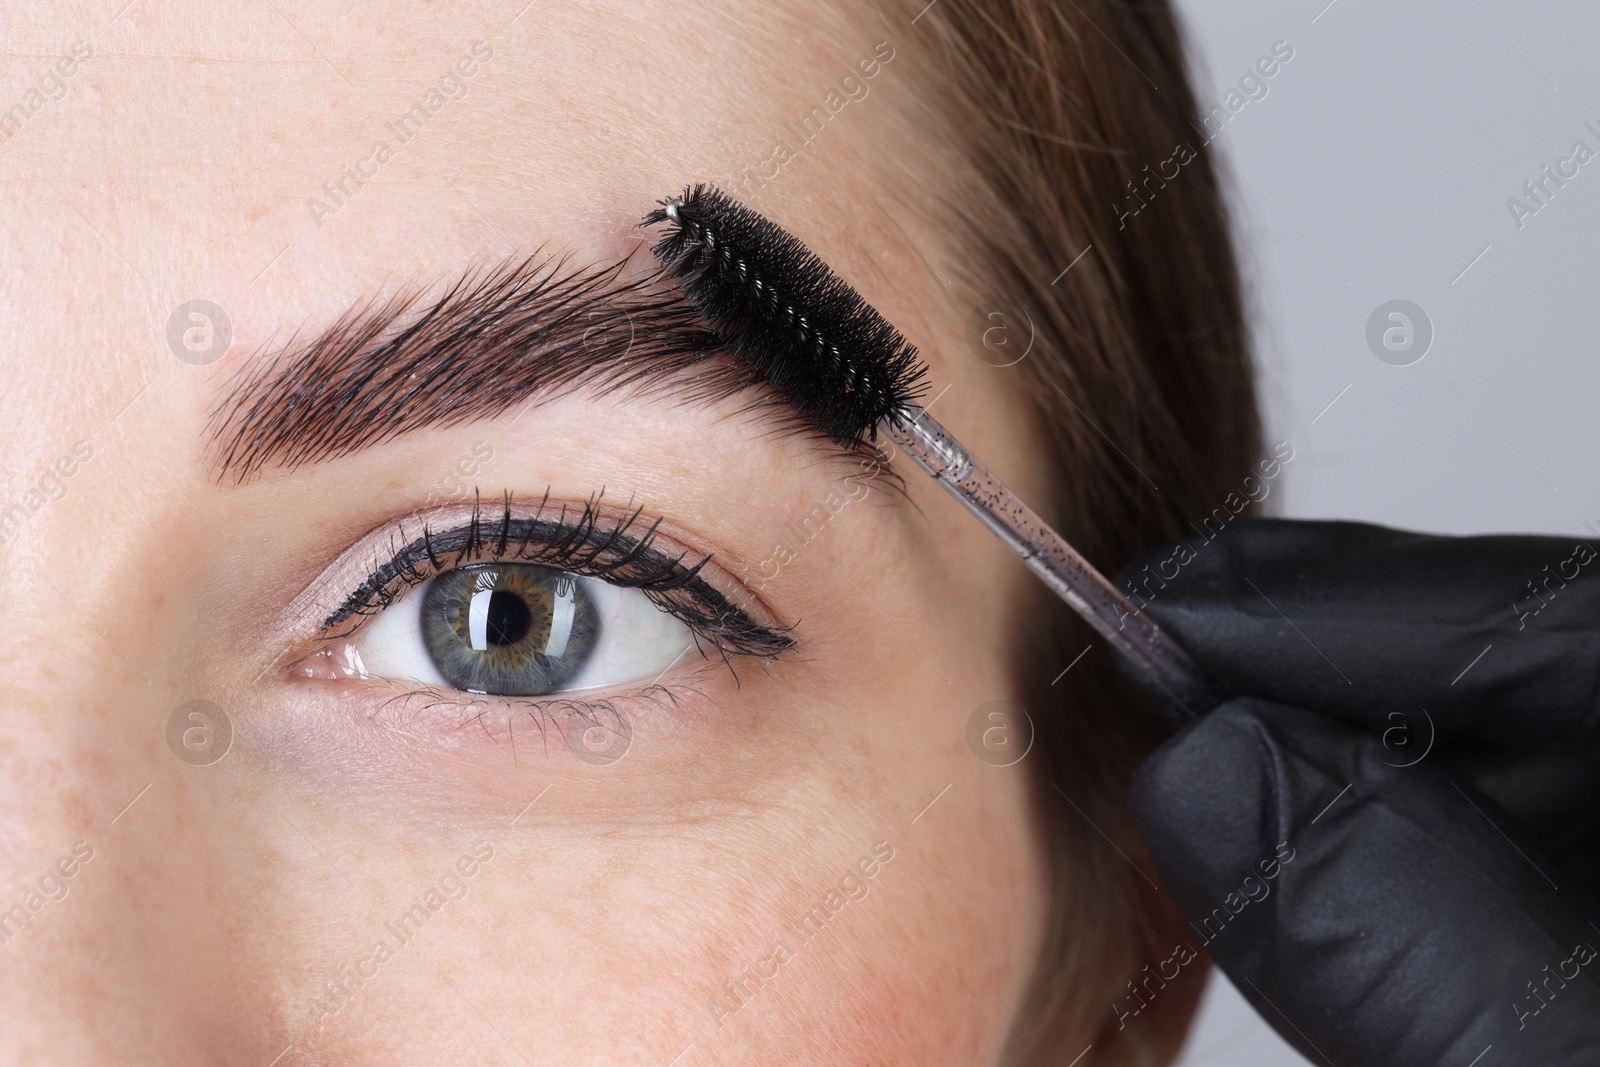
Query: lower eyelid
<point x="595" y="729"/>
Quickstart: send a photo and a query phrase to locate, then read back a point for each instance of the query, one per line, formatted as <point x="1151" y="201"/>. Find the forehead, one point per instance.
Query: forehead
<point x="230" y="120"/>
<point x="281" y="161"/>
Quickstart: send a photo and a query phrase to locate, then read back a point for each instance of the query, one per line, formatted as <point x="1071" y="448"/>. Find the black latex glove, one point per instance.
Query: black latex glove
<point x="1390" y="841"/>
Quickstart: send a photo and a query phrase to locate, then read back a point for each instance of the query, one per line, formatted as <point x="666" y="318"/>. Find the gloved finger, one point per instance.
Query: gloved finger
<point x="1555" y="796"/>
<point x="1491" y="637"/>
<point x="1375" y="915"/>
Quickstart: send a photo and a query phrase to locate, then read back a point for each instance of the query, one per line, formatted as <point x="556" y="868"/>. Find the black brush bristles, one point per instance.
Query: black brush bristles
<point x="798" y="326"/>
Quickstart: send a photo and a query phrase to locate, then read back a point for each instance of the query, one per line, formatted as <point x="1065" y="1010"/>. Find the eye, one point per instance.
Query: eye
<point x="533" y="602"/>
<point x="520" y="629"/>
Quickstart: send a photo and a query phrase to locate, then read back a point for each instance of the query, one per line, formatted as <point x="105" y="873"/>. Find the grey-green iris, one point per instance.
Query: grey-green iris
<point x="510" y="629"/>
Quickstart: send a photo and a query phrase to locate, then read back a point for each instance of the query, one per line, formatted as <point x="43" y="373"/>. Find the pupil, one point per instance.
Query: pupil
<point x="509" y="618"/>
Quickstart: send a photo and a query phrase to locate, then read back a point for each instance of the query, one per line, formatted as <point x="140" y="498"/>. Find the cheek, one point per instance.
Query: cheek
<point x="631" y="944"/>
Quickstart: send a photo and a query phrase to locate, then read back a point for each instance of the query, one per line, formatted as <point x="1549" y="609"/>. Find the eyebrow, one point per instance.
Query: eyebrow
<point x="541" y="327"/>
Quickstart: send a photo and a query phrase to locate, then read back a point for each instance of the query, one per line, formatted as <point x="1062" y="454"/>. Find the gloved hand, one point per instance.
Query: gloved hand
<point x="1390" y="841"/>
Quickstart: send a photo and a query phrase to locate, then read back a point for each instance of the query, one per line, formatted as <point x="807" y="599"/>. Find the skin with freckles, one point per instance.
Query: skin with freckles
<point x="365" y="879"/>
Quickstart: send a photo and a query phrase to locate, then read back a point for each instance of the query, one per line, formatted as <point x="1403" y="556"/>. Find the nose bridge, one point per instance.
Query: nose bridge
<point x="75" y="762"/>
<point x="125" y="854"/>
<point x="97" y="842"/>
<point x="59" y="895"/>
<point x="42" y="933"/>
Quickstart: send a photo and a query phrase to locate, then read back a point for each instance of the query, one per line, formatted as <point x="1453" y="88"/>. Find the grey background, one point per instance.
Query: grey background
<point x="1378" y="167"/>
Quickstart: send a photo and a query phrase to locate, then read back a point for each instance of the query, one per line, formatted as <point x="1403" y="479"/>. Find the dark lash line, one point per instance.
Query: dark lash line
<point x="583" y="546"/>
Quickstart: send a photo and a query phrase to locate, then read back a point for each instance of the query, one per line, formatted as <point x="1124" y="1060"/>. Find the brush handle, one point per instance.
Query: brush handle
<point x="1191" y="691"/>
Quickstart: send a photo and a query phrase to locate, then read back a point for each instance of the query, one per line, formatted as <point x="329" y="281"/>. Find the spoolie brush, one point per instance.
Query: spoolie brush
<point x="787" y="316"/>
<point x="812" y="338"/>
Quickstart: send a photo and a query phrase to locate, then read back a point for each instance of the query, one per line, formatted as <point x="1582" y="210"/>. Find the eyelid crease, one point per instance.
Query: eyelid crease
<point x="594" y="543"/>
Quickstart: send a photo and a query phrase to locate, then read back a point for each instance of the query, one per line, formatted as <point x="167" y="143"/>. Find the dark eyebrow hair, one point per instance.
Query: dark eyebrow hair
<point x="494" y="338"/>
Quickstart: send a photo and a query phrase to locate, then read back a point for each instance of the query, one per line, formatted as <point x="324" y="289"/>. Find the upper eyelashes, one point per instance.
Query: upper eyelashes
<point x="619" y="549"/>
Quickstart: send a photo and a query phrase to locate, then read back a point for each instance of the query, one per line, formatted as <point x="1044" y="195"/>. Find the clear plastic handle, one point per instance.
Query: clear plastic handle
<point x="1170" y="669"/>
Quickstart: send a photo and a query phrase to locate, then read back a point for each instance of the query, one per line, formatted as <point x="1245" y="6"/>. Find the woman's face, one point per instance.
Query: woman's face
<point x="777" y="855"/>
